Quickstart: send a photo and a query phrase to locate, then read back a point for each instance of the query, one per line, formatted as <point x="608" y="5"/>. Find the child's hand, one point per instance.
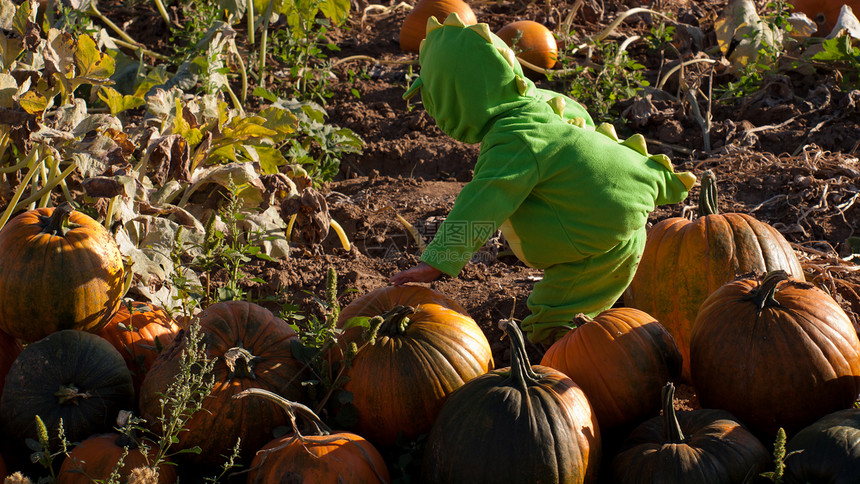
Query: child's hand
<point x="423" y="272"/>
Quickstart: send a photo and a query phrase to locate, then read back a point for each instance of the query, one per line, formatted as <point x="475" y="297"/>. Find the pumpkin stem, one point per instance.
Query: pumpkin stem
<point x="521" y="368"/>
<point x="70" y="394"/>
<point x="294" y="411"/>
<point x="580" y="319"/>
<point x="674" y="434"/>
<point x="396" y="320"/>
<point x="58" y="222"/>
<point x="240" y="362"/>
<point x="765" y="295"/>
<point x="708" y="195"/>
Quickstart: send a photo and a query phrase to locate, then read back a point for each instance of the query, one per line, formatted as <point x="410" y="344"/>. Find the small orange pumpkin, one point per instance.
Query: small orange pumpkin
<point x="532" y="41"/>
<point x="619" y="359"/>
<point x="414" y="27"/>
<point x="96" y="457"/>
<point x="139" y="330"/>
<point x="323" y="456"/>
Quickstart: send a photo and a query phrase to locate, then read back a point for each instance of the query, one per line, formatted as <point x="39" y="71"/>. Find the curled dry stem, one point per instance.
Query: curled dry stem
<point x="320" y="430"/>
<point x="382" y="10"/>
<point x="374" y="60"/>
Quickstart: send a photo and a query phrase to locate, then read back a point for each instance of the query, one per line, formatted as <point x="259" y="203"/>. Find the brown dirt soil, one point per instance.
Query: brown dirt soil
<point x="787" y="156"/>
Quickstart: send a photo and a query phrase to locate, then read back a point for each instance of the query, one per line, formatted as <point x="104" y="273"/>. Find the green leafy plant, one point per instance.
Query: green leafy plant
<point x="600" y="86"/>
<point x="842" y="52"/>
<point x="42" y="453"/>
<point x="776" y="475"/>
<point x="182" y="399"/>
<point x="239" y="250"/>
<point x="661" y="36"/>
<point x="189" y="294"/>
<point x="307" y="21"/>
<point x="318" y="335"/>
<point x="766" y="61"/>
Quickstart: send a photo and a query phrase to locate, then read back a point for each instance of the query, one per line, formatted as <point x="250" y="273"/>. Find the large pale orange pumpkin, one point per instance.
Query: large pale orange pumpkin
<point x="685" y="261"/>
<point x="425" y="348"/>
<point x="252" y="349"/>
<point x="619" y="359"/>
<point x="414" y="27"/>
<point x="59" y="269"/>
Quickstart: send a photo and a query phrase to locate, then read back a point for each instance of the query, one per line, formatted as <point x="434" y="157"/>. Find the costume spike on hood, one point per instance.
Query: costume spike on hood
<point x="432" y="24"/>
<point x="469" y="76"/>
<point x="454" y="20"/>
<point x="483" y="30"/>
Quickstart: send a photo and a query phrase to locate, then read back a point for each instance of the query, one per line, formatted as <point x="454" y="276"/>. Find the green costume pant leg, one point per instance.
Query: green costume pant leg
<point x="586" y="286"/>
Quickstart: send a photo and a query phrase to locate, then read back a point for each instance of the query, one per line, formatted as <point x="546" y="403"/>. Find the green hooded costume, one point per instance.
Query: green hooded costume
<point x="570" y="199"/>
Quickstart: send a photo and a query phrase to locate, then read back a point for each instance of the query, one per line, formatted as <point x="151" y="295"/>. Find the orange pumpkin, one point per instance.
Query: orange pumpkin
<point x="139" y="331"/>
<point x="252" y="349"/>
<point x="532" y="41"/>
<point x="685" y="261"/>
<point x="59" y="269"/>
<point x="775" y="352"/>
<point x="96" y="457"/>
<point x="414" y="27"/>
<point x="619" y="359"/>
<point x="824" y="12"/>
<point x="425" y="348"/>
<point x="321" y="456"/>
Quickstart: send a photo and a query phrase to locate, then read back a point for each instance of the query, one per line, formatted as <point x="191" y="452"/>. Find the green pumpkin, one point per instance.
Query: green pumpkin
<point x="706" y="446"/>
<point x="71" y="375"/>
<point x="518" y="424"/>
<point x="826" y="451"/>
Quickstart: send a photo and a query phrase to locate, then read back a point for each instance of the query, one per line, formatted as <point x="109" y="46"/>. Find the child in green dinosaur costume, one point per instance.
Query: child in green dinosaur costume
<point x="570" y="198"/>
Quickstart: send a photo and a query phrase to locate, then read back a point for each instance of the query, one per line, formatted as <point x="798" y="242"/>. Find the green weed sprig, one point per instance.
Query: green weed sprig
<point x="184" y="396"/>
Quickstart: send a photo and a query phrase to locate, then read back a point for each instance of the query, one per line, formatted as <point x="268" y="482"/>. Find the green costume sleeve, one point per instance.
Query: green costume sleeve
<point x="495" y="192"/>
